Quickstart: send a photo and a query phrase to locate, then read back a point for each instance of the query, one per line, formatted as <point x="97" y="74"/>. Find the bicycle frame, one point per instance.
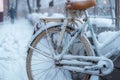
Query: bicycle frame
<point x="97" y="45"/>
<point x="79" y="30"/>
<point x="92" y="68"/>
<point x="66" y="59"/>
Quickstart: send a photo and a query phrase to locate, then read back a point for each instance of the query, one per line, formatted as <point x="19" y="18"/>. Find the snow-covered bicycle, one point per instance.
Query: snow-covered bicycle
<point x="62" y="50"/>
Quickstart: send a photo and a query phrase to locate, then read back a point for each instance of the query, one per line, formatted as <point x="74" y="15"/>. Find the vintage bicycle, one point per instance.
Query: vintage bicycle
<point x="63" y="51"/>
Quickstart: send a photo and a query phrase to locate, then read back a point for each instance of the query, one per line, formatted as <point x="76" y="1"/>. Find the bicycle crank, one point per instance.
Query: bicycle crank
<point x="87" y="64"/>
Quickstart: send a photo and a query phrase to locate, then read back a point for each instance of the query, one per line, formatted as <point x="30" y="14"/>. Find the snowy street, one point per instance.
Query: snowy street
<point x="13" y="46"/>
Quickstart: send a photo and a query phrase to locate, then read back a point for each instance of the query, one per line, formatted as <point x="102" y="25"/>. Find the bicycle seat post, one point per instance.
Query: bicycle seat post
<point x="86" y="13"/>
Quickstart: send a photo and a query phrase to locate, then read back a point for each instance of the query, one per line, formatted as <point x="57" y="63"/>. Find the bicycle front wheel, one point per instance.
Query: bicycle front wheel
<point x="41" y="64"/>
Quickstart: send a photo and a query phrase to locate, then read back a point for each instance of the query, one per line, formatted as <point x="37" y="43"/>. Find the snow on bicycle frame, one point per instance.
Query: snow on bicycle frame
<point x="89" y="64"/>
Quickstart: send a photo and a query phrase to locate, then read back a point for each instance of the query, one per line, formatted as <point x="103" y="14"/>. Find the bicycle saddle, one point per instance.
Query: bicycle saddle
<point x="80" y="5"/>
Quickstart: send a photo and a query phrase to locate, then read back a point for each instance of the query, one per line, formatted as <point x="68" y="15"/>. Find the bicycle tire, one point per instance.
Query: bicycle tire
<point x="67" y="74"/>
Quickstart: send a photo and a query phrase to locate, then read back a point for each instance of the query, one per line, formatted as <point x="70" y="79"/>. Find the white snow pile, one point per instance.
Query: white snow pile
<point x="103" y="22"/>
<point x="107" y="36"/>
<point x="14" y="39"/>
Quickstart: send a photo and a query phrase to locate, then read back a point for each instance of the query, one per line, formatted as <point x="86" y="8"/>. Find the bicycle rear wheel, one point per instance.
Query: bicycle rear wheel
<point x="41" y="64"/>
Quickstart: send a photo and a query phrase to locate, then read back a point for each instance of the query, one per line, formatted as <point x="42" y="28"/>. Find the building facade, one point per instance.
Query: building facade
<point x="1" y="10"/>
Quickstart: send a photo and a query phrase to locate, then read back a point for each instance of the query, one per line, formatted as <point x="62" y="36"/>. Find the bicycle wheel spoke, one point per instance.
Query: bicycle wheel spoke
<point x="66" y="39"/>
<point x="55" y="74"/>
<point x="40" y="62"/>
<point x="42" y="65"/>
<point x="42" y="44"/>
<point x="46" y="71"/>
<point x="46" y="76"/>
<point x="39" y="57"/>
<point x="48" y="38"/>
<point x="41" y="52"/>
<point x="63" y="71"/>
<point x="42" y="71"/>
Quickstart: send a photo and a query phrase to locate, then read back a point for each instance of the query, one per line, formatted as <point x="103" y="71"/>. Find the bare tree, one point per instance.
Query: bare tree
<point x="16" y="7"/>
<point x="38" y="5"/>
<point x="117" y="13"/>
<point x="16" y="4"/>
<point x="29" y="7"/>
<point x="51" y="4"/>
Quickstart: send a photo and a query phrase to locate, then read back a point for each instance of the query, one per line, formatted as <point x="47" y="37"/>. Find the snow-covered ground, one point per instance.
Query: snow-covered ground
<point x="13" y="45"/>
<point x="14" y="39"/>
